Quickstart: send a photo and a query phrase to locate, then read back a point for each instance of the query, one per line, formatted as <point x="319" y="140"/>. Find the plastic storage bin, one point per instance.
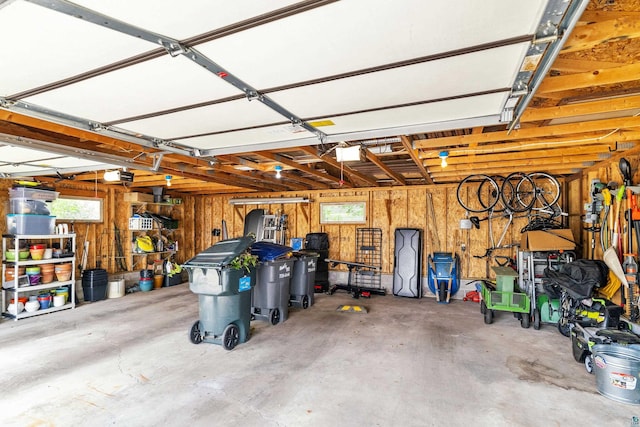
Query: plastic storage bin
<point x="33" y="193"/>
<point x="30" y="224"/>
<point x="21" y="205"/>
<point x="224" y="294"/>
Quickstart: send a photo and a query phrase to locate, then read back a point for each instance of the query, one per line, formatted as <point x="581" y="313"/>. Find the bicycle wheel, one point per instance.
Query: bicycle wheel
<point x="518" y="192"/>
<point x="478" y="193"/>
<point x="499" y="206"/>
<point x="547" y="190"/>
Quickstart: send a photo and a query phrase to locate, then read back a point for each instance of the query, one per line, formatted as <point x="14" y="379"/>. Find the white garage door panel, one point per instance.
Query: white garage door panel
<point x="356" y="34"/>
<point x="181" y="20"/>
<point x="214" y="118"/>
<point x="456" y="76"/>
<point x="41" y="46"/>
<point x="251" y="140"/>
<point x="430" y="116"/>
<point x="151" y="86"/>
<point x="25" y="160"/>
<point x="438" y="116"/>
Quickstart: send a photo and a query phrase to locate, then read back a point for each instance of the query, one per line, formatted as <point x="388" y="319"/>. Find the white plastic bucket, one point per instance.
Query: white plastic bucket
<point x="617" y="370"/>
<point x="115" y="289"/>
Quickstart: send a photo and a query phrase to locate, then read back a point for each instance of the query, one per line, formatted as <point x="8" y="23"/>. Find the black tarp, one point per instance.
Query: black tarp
<point x="579" y="278"/>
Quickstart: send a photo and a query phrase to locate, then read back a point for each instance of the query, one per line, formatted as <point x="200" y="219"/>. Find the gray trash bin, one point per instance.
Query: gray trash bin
<point x="270" y="296"/>
<point x="224" y="294"/>
<point x="302" y="287"/>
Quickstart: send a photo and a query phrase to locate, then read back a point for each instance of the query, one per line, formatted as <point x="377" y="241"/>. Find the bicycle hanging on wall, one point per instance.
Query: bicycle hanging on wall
<point x="534" y="196"/>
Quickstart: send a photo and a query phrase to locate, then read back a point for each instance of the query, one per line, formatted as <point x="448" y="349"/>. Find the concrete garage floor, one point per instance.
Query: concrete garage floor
<point x="129" y="362"/>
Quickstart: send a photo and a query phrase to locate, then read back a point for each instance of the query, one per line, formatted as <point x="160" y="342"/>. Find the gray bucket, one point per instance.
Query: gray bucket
<point x="617" y="370"/>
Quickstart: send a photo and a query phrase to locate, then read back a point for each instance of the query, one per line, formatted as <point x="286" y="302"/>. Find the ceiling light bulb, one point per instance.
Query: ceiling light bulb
<point x="443" y="158"/>
<point x="168" y="178"/>
<point x="278" y="169"/>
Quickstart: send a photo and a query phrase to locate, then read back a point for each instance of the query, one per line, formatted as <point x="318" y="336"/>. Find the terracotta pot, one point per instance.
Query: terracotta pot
<point x="63" y="276"/>
<point x="47" y="268"/>
<point x="63" y="267"/>
<point x="9" y="273"/>
<point x="36" y="253"/>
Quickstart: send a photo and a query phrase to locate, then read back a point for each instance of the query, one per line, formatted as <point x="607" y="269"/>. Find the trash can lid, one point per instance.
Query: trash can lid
<point x="267" y="251"/>
<point x="221" y="253"/>
<point x="306" y="254"/>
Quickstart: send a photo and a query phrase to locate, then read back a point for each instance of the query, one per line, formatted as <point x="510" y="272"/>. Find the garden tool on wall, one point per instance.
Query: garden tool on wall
<point x="592" y="212"/>
<point x="625" y="171"/>
<point x="610" y="257"/>
<point x="615" y="240"/>
<point x="604" y="222"/>
<point x="630" y="267"/>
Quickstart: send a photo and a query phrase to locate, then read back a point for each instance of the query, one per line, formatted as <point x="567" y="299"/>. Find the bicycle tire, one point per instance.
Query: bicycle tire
<point x="518" y="192"/>
<point x="486" y="193"/>
<point x="499" y="206"/>
<point x="547" y="190"/>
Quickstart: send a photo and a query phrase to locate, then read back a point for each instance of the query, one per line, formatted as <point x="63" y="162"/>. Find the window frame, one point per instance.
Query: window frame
<point x="344" y="219"/>
<point x="89" y="199"/>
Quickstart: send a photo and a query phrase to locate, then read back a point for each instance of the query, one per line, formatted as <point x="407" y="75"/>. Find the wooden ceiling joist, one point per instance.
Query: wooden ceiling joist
<point x="588" y="36"/>
<point x="624" y="73"/>
<point x="347" y="170"/>
<point x="413" y="153"/>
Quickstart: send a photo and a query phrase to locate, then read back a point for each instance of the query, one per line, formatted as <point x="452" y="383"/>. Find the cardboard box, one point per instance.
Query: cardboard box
<point x="138" y="197"/>
<point x="547" y="240"/>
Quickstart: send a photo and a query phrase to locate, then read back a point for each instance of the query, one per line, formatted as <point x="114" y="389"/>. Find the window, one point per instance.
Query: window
<point x="345" y="212"/>
<point x="76" y="209"/>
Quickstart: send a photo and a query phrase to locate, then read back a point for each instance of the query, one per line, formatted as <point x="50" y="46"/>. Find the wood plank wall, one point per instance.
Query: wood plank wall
<point x="387" y="209"/>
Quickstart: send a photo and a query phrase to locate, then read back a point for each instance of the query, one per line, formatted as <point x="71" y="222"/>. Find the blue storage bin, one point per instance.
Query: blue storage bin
<point x="267" y="251"/>
<point x="30" y="224"/>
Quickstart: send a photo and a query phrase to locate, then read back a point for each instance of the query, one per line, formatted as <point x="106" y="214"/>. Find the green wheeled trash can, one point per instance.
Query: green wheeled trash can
<point x="224" y="293"/>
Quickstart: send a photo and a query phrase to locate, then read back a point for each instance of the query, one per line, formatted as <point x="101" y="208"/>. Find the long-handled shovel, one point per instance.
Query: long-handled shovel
<point x="610" y="257"/>
<point x="616" y="225"/>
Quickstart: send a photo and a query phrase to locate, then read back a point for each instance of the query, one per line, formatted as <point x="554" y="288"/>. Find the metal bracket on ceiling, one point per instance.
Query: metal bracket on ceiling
<point x="156" y="162"/>
<point x="559" y="18"/>
<point x="173" y="48"/>
<point x="97" y="127"/>
<point x="6" y="103"/>
<point x="253" y="95"/>
<point x="547" y="33"/>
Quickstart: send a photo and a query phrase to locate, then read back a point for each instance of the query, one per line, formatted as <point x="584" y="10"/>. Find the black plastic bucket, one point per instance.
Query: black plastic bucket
<point x="146" y="274"/>
<point x="94" y="284"/>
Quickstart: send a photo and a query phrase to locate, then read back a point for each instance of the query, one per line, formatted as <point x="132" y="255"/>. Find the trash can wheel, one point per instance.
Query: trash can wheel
<point x="305" y="302"/>
<point x="274" y="317"/>
<point x="230" y="337"/>
<point x="195" y="335"/>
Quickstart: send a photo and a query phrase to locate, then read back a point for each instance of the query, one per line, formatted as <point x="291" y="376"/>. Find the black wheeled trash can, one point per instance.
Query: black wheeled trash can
<point x="224" y="294"/>
<point x="302" y="287"/>
<point x="270" y="296"/>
